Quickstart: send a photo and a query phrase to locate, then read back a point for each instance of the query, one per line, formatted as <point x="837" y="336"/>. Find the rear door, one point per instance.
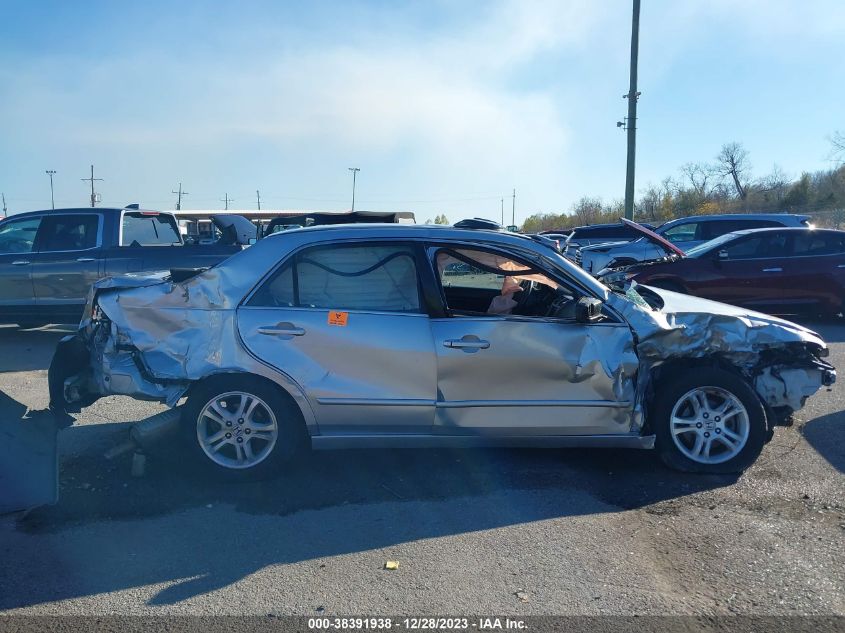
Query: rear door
<point x="17" y="245"/>
<point x="69" y="259"/>
<point x="346" y="322"/>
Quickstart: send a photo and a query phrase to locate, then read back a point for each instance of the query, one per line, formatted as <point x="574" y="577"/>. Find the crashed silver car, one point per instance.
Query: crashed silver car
<point x="421" y="336"/>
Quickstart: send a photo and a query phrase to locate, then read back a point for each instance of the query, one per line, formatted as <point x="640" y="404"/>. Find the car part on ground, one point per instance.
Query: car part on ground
<point x="356" y="336"/>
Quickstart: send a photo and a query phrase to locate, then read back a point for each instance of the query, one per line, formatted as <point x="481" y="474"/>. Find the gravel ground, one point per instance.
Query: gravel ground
<point x="510" y="532"/>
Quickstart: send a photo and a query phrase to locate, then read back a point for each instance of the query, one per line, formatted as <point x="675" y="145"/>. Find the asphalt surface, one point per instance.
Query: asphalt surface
<point x="509" y="532"/>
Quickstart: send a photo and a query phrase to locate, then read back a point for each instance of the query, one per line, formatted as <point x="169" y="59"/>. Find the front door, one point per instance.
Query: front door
<point x="346" y="323"/>
<point x="515" y="362"/>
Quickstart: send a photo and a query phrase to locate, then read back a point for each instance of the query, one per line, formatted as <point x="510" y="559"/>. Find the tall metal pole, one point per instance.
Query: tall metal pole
<point x="50" y="173"/>
<point x="227" y="200"/>
<point x="5" y="211"/>
<point x="513" y="209"/>
<point x="258" y="198"/>
<point x="503" y="211"/>
<point x="632" y="97"/>
<point x="354" y="171"/>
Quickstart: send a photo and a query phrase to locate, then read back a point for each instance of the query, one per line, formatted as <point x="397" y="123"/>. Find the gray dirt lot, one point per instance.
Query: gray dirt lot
<point x="570" y="531"/>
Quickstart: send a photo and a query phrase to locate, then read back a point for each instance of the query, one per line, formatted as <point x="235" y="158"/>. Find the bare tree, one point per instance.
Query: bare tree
<point x="837" y="142"/>
<point x="588" y="210"/>
<point x="733" y="161"/>
<point x="698" y="175"/>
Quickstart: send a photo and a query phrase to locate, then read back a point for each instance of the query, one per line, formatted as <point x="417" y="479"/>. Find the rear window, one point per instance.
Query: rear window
<point x="145" y="229"/>
<point x="812" y="243"/>
<point x="717" y="228"/>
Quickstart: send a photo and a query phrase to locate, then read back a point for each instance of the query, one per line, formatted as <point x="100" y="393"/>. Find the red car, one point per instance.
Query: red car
<point x="776" y="270"/>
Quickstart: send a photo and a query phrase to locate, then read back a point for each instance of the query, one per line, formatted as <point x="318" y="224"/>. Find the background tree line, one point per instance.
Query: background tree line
<point x="724" y="185"/>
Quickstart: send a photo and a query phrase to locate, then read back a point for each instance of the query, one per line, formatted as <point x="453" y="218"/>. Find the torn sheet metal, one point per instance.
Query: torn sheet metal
<point x="781" y="358"/>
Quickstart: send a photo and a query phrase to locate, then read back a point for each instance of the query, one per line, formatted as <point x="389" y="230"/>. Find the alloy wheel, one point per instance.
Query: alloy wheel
<point x="237" y="430"/>
<point x="709" y="425"/>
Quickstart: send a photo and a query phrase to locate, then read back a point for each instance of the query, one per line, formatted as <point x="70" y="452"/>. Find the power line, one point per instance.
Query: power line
<point x="92" y="179"/>
<point x="179" y="193"/>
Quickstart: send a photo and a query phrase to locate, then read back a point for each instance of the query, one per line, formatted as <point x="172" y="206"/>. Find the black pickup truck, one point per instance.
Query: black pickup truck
<point x="49" y="259"/>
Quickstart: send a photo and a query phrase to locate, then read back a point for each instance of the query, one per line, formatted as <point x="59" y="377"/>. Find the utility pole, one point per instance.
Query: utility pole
<point x="180" y="193"/>
<point x="227" y="200"/>
<point x="354" y="171"/>
<point x="258" y="197"/>
<point x="503" y="211"/>
<point x="632" y="97"/>
<point x="513" y="209"/>
<point x="5" y="213"/>
<point x="50" y="173"/>
<point x="92" y="179"/>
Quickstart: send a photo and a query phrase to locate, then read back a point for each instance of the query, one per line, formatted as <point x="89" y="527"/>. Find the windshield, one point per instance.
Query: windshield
<point x="701" y="249"/>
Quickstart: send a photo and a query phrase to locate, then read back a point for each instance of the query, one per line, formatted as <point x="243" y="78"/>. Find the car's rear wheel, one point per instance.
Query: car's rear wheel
<point x="242" y="427"/>
<point x="709" y="421"/>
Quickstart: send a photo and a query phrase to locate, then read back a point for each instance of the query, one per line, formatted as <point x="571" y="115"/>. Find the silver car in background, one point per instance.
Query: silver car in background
<point x="420" y="336"/>
<point x="685" y="233"/>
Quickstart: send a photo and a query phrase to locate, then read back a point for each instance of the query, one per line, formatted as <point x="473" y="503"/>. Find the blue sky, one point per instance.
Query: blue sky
<point x="445" y="106"/>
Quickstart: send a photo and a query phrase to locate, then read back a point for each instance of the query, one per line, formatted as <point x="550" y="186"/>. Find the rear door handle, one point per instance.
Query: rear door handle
<point x="466" y="343"/>
<point x="20" y="262"/>
<point x="85" y="259"/>
<point x="282" y="329"/>
<point x="773" y="270"/>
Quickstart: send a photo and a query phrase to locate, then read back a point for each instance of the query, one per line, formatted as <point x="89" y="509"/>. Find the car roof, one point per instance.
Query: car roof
<point x="27" y="214"/>
<point x="738" y="216"/>
<point x="791" y="229"/>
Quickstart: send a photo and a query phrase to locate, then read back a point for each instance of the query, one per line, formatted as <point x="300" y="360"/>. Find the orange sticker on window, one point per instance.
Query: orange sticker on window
<point x="338" y="318"/>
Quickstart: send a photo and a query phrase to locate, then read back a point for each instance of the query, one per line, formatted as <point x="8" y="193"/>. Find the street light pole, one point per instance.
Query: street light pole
<point x="354" y="171"/>
<point x="50" y="173"/>
<point x="631" y="123"/>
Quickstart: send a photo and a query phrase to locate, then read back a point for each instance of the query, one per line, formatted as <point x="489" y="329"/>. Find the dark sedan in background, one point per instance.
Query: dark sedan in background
<point x="778" y="270"/>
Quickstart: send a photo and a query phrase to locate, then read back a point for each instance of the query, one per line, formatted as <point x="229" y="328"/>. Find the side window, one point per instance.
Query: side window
<point x="147" y="228"/>
<point x="812" y="243"/>
<point x="681" y="233"/>
<point x="18" y="236"/>
<point x="372" y="277"/>
<point x="769" y="244"/>
<point x="69" y="232"/>
<point x="481" y="282"/>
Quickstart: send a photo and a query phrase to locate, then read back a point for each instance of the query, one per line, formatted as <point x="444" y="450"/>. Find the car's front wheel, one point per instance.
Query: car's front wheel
<point x="242" y="427"/>
<point x="709" y="421"/>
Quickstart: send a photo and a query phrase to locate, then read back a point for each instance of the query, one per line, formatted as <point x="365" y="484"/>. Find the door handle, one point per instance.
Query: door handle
<point x="466" y="343"/>
<point x="20" y="262"/>
<point x="773" y="270"/>
<point x="85" y="259"/>
<point x="282" y="329"/>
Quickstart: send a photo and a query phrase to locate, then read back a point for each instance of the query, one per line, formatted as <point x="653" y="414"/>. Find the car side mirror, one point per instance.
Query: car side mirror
<point x="723" y="254"/>
<point x="588" y="310"/>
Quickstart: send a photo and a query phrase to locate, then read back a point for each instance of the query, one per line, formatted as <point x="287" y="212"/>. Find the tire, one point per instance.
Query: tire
<point x="269" y="435"/>
<point x="702" y="442"/>
<point x="665" y="284"/>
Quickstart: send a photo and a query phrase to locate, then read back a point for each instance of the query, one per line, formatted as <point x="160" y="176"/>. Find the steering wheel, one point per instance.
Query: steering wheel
<point x="528" y="286"/>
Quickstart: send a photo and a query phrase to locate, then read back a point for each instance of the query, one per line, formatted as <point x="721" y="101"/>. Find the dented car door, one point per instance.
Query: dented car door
<point x="505" y="374"/>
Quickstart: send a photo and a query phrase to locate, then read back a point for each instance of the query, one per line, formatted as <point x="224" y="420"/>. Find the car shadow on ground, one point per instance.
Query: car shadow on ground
<point x="27" y="350"/>
<point x="827" y="436"/>
<point x="111" y="531"/>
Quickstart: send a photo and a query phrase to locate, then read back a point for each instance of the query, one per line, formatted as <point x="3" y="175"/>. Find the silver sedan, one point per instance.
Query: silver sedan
<point x="418" y="336"/>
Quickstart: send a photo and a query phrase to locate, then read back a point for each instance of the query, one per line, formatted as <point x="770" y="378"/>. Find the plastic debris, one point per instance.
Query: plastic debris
<point x="392" y="564"/>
